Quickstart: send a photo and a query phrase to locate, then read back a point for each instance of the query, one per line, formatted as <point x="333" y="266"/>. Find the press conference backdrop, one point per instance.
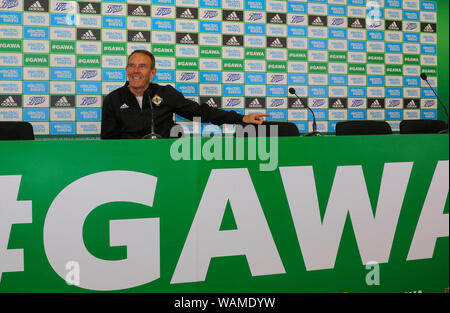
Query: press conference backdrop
<point x="348" y="59"/>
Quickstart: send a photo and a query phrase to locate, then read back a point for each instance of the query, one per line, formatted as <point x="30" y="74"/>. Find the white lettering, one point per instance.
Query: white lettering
<point x="11" y="212"/>
<point x="374" y="235"/>
<point x="432" y="222"/>
<point x="252" y="237"/>
<point x="63" y="231"/>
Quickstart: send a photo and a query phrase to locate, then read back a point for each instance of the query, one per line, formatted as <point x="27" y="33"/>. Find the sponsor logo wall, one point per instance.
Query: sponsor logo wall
<point x="347" y="59"/>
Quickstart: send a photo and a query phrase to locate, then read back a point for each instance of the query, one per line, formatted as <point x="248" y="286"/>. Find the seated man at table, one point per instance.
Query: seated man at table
<point x="126" y="112"/>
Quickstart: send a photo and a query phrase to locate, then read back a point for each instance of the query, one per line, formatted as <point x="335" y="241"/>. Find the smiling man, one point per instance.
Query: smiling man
<point x="127" y="111"/>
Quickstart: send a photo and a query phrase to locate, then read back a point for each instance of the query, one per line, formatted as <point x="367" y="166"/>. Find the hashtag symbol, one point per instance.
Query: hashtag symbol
<point x="11" y="212"/>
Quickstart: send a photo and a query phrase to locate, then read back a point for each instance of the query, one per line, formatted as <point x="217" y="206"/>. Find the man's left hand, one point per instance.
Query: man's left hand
<point x="255" y="118"/>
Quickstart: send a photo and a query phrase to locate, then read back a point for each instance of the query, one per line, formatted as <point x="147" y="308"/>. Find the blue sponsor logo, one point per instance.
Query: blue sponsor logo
<point x="411" y="81"/>
<point x="357" y="92"/>
<point x="338" y="80"/>
<point x="317" y="44"/>
<point x="255" y="78"/>
<point x="276" y="91"/>
<point x="253" y="16"/>
<point x="211" y="77"/>
<point x="428" y="6"/>
<point x="297" y="79"/>
<point x="295" y="7"/>
<point x="62" y="20"/>
<point x="163" y="24"/>
<point x="427" y="93"/>
<point x="91" y="114"/>
<point x="210" y="27"/>
<point x="254" y="5"/>
<point x="35" y="100"/>
<point x="62" y="128"/>
<point x="162" y="2"/>
<point x="233" y="90"/>
<point x="337" y="33"/>
<point x="35" y="114"/>
<point x="277" y="102"/>
<point x="188" y="89"/>
<point x="357" y="115"/>
<point x="428" y="114"/>
<point x="332" y="126"/>
<point x="208" y="3"/>
<point x="357" y="46"/>
<point x="114" y="75"/>
<point x="428" y="49"/>
<point x="321" y="115"/>
<point x="10" y="73"/>
<point x="393" y="4"/>
<point x="255" y="29"/>
<point x="336" y="21"/>
<point x="340" y="10"/>
<point x="35" y="32"/>
<point x="356" y="2"/>
<point x="114" y="22"/>
<point x="318" y="91"/>
<point x="394" y="92"/>
<point x="375" y="35"/>
<point x="10" y="18"/>
<point x="232" y="77"/>
<point x="411" y="37"/>
<point x="394" y="47"/>
<point x="276" y="115"/>
<point x="411" y="15"/>
<point x="62" y="74"/>
<point x="317" y="103"/>
<point x="297" y="19"/>
<point x="375" y="81"/>
<point x="297" y="31"/>
<point x="33" y="87"/>
<point x="89" y="88"/>
<point x="302" y="126"/>
<point x="394" y="115"/>
<point x="164" y="76"/>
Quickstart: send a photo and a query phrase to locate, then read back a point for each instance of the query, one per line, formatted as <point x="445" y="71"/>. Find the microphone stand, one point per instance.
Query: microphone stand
<point x="152" y="134"/>
<point x="425" y="78"/>
<point x="314" y="132"/>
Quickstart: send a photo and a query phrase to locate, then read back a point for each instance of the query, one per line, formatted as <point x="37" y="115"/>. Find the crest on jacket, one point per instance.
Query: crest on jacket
<point x="157" y="100"/>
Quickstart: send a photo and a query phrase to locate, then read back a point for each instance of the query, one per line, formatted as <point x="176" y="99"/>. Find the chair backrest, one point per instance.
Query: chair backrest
<point x="363" y="128"/>
<point x="16" y="131"/>
<point x="283" y="129"/>
<point x="422" y="126"/>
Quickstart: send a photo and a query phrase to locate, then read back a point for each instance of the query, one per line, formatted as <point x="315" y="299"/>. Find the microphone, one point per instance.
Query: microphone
<point x="314" y="132"/>
<point x="152" y="134"/>
<point x="425" y="78"/>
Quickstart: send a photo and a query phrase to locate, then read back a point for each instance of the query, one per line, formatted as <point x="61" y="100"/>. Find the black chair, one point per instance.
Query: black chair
<point x="16" y="131"/>
<point x="363" y="128"/>
<point x="422" y="126"/>
<point x="284" y="129"/>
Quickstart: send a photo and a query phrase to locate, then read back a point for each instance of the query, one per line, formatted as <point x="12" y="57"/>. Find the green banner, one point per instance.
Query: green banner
<point x="319" y="214"/>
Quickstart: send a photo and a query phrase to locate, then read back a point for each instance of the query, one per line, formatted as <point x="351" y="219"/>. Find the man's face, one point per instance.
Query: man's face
<point x="139" y="71"/>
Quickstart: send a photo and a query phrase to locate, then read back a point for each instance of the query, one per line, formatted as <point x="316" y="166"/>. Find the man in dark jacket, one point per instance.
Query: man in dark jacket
<point x="126" y="112"/>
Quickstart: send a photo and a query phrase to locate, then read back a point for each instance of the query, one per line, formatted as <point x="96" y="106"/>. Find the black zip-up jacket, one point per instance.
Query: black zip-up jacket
<point x="122" y="117"/>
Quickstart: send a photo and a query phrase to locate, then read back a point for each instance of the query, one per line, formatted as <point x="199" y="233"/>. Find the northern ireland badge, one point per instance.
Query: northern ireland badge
<point x="157" y="100"/>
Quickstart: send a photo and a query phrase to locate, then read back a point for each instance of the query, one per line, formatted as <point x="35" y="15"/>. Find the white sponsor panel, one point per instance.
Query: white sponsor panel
<point x="10" y="114"/>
